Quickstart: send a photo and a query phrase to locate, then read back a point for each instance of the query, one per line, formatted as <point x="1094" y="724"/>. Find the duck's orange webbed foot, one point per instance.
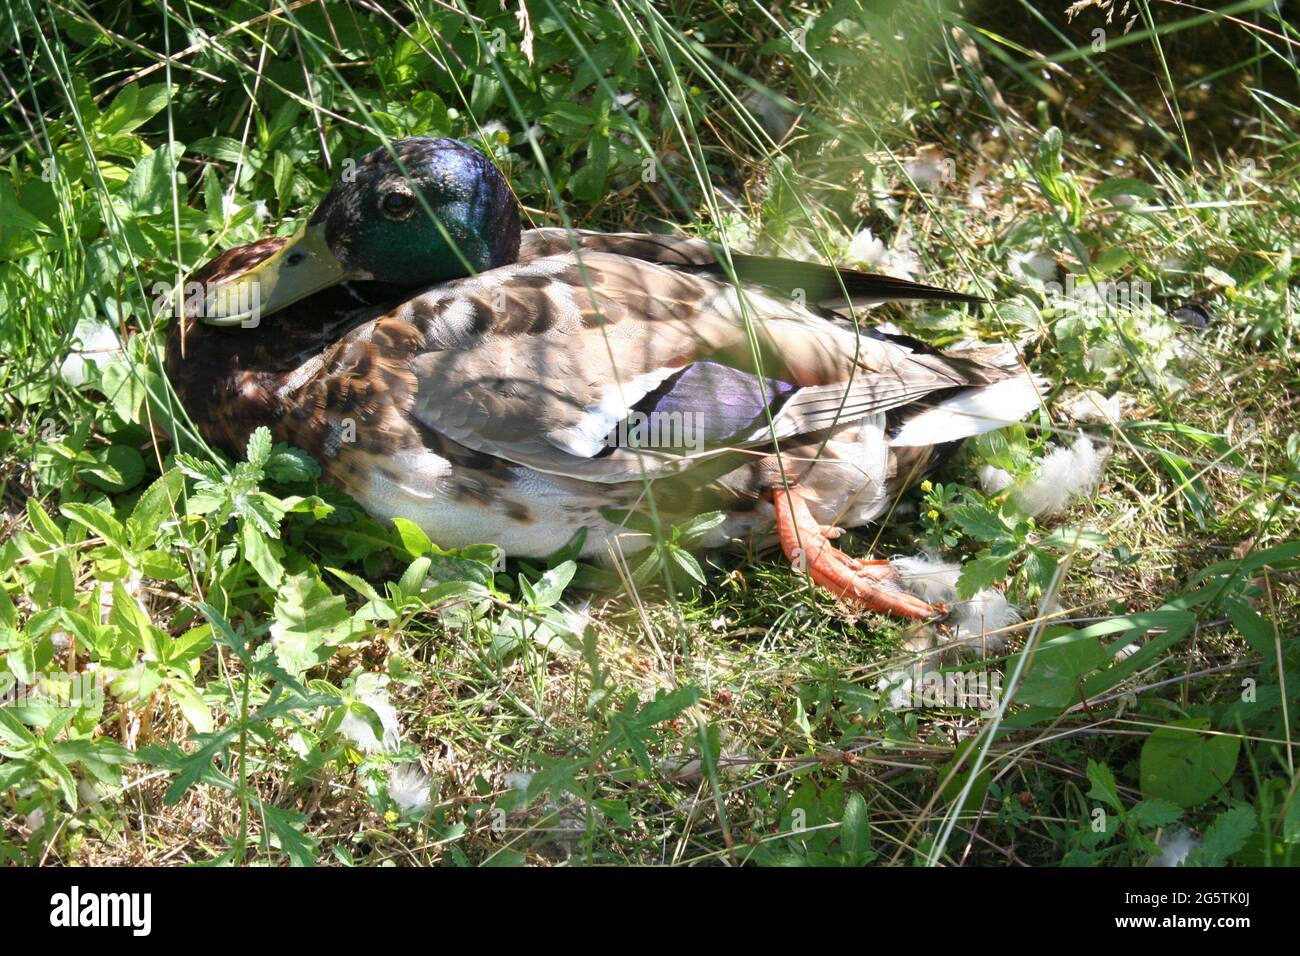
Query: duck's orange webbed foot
<point x="871" y="584"/>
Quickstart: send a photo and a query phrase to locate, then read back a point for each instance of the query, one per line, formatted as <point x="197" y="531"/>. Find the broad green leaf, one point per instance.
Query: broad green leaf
<point x="1259" y="633"/>
<point x="308" y="620"/>
<point x="43" y="525"/>
<point x="1053" y="674"/>
<point x="413" y="578"/>
<point x="855" y="830"/>
<point x="1182" y="764"/>
<point x="14" y="216"/>
<point x="117" y="468"/>
<point x="99" y="521"/>
<point x="1067" y="539"/>
<point x="413" y="538"/>
<point x="156" y="504"/>
<point x="133" y="107"/>
<point x="148" y="190"/>
<point x="191" y="703"/>
<point x="258" y="550"/>
<point x="551" y="586"/>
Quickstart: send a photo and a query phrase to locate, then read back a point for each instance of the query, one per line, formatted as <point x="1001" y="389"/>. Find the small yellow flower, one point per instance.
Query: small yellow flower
<point x="390" y="816"/>
<point x="934" y="515"/>
<point x="927" y="485"/>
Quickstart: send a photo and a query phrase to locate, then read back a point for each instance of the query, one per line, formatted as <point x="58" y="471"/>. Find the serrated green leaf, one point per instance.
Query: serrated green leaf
<point x="287" y="826"/>
<point x="1103" y="785"/>
<point x="1155" y="813"/>
<point x="980" y="572"/>
<point x="258" y="449"/>
<point x="289" y="465"/>
<point x="1227" y="835"/>
<point x="979" y="523"/>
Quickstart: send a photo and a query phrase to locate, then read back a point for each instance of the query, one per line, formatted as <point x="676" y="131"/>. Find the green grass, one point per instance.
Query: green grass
<point x="243" y="615"/>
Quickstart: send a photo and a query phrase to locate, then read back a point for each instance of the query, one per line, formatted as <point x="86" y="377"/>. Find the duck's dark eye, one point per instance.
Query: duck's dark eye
<point x="395" y="204"/>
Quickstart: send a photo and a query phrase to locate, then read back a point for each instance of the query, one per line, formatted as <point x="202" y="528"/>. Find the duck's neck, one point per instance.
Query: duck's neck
<point x="232" y="379"/>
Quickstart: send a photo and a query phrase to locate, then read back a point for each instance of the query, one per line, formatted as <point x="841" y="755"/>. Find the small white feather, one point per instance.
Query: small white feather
<point x="935" y="580"/>
<point x="408" y="786"/>
<point x="899" y="685"/>
<point x="1174" y="846"/>
<point x="99" y="346"/>
<point x="980" y="619"/>
<point x="359" y="731"/>
<point x="1065" y="473"/>
<point x="994" y="479"/>
<point x="972" y="412"/>
<point x="929" y="577"/>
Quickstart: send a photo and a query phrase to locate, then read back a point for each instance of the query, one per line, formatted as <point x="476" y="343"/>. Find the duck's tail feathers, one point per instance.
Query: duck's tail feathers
<point x="970" y="412"/>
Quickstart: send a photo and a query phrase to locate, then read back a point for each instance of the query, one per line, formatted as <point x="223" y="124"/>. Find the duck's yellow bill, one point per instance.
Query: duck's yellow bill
<point x="304" y="265"/>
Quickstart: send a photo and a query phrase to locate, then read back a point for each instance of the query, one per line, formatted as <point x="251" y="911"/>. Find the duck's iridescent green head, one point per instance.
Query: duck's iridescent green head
<point x="419" y="212"/>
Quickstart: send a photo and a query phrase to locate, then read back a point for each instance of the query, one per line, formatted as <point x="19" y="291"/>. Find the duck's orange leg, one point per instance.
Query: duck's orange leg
<point x="872" y="584"/>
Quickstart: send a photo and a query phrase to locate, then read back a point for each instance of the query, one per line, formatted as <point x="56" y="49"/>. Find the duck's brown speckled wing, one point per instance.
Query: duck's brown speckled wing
<point x="535" y="363"/>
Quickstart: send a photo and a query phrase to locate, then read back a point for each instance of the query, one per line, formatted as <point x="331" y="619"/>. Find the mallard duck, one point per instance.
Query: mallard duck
<point x="494" y="385"/>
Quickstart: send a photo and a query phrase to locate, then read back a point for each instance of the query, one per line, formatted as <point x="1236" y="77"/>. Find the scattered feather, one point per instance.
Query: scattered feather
<point x="970" y="413"/>
<point x="409" y="788"/>
<point x="99" y="345"/>
<point x="1174" y="846"/>
<point x="869" y="251"/>
<point x="983" y="617"/>
<point x="899" y="685"/>
<point x="932" y="579"/>
<point x="929" y="578"/>
<point x="1034" y="265"/>
<point x="357" y="729"/>
<point x="930" y="169"/>
<point x="518" y="780"/>
<point x="776" y="120"/>
<point x="1091" y="407"/>
<point x="994" y="479"/>
<point x="1065" y="474"/>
